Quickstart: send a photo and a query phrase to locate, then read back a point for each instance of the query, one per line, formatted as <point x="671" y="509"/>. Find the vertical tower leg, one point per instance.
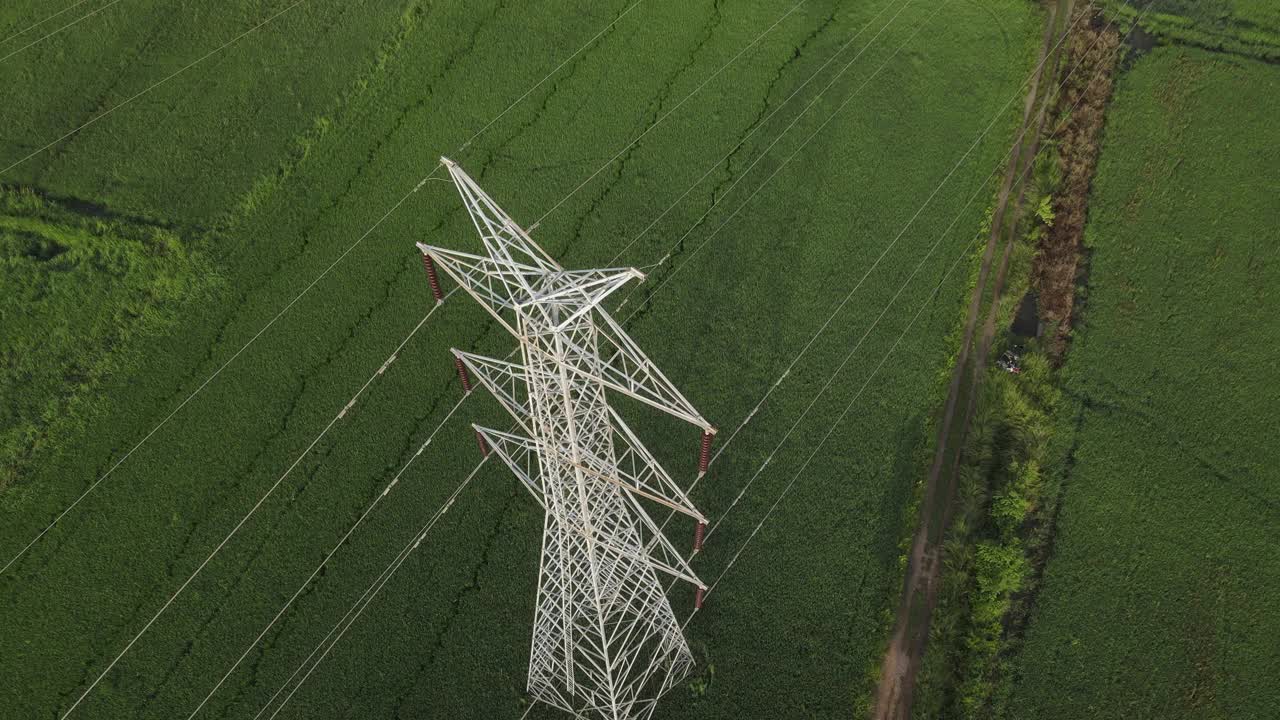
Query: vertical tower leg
<point x="432" y="278"/>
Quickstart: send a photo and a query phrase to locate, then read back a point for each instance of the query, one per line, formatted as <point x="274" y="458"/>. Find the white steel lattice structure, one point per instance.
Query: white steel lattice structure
<point x="605" y="640"/>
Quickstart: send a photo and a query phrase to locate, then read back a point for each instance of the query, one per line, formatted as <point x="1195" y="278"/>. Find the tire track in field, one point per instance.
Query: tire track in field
<point x="455" y="605"/>
<point x="316" y="465"/>
<point x="764" y="104"/>
<point x="388" y="285"/>
<point x="406" y="111"/>
<point x="100" y="100"/>
<point x="656" y="103"/>
<point x="332" y="355"/>
<point x="192" y="89"/>
<point x="488" y="324"/>
<point x="492" y="155"/>
<point x="227" y="492"/>
<point x="306" y="230"/>
<point x="656" y="106"/>
<point x="1118" y="406"/>
<point x="645" y="306"/>
<point x="221" y="495"/>
<point x="336" y="203"/>
<point x="189" y="644"/>
<point x="251" y="681"/>
<point x="409" y="446"/>
<point x="86" y="672"/>
<point x="218" y="494"/>
<point x="286" y="170"/>
<point x="197" y="370"/>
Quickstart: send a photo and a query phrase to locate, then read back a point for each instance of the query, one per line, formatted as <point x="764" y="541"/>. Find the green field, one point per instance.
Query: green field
<point x="1250" y="28"/>
<point x="1159" y="599"/>
<point x="258" y="167"/>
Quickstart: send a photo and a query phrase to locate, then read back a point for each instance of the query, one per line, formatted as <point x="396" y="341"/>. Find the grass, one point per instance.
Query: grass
<point x="1157" y="602"/>
<point x="82" y="295"/>
<point x="272" y="158"/>
<point x="1250" y="28"/>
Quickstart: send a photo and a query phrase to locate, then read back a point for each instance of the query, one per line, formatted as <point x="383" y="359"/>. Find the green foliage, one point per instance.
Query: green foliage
<point x="1158" y="601"/>
<point x="1245" y="27"/>
<point x="1044" y="211"/>
<point x="80" y="295"/>
<point x="702" y="682"/>
<point x="986" y="561"/>
<point x="279" y="153"/>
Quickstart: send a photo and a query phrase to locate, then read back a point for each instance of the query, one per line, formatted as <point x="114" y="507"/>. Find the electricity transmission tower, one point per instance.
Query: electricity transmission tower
<point x="605" y="640"/>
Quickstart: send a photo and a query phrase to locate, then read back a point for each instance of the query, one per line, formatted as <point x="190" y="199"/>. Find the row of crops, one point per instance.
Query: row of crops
<point x="273" y="158"/>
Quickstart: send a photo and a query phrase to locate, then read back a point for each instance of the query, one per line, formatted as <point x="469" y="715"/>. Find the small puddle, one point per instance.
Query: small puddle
<point x="1026" y="321"/>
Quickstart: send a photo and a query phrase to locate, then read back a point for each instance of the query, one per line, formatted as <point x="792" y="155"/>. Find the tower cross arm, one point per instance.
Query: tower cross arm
<point x="508" y="383"/>
<point x="622" y="366"/>
<point x="520" y="454"/>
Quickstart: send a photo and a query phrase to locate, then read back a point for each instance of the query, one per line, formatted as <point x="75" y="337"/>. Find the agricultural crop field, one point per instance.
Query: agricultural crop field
<point x="1246" y="27"/>
<point x="188" y="205"/>
<point x="1159" y="599"/>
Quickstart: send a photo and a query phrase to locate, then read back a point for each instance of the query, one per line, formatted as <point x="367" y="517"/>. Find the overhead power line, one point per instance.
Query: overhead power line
<point x="73" y="23"/>
<point x="200" y="388"/>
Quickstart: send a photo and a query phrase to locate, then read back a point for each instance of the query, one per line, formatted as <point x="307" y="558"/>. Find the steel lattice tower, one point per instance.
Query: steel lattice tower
<point x="605" y="639"/>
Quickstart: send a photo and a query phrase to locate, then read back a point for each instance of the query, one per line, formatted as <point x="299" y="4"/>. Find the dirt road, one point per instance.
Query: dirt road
<point x="911" y="631"/>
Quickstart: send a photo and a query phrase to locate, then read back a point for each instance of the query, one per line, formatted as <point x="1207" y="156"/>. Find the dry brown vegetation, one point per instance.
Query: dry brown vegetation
<point x="1085" y="96"/>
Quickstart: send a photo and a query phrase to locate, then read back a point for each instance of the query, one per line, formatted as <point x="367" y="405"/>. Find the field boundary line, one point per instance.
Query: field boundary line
<point x="895" y="693"/>
<point x="42" y="38"/>
<point x="339" y="416"/>
<point x="93" y="486"/>
<point x="955" y="263"/>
